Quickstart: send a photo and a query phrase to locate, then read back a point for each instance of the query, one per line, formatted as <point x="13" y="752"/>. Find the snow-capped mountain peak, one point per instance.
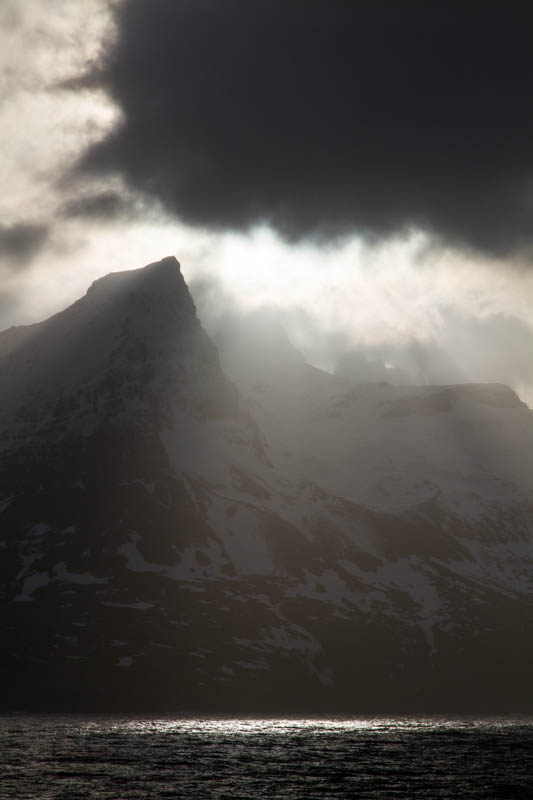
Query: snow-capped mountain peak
<point x="172" y="538"/>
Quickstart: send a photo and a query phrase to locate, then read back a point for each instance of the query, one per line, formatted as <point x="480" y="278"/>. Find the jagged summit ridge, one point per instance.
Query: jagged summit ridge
<point x="108" y="295"/>
<point x="131" y="345"/>
<point x="155" y="278"/>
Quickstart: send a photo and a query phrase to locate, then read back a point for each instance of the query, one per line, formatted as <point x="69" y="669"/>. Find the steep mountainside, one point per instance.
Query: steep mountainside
<point x="172" y="541"/>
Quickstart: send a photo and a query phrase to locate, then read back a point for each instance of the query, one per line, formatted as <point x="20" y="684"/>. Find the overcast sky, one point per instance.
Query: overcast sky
<point x="365" y="168"/>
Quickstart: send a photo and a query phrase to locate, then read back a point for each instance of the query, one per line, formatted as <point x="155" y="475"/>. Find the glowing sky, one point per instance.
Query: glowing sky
<point x="96" y="179"/>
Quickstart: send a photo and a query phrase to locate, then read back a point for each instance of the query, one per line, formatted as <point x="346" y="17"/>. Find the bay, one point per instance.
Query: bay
<point x="96" y="757"/>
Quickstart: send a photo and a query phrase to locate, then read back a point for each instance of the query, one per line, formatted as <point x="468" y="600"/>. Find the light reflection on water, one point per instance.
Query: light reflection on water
<point x="129" y="758"/>
<point x="242" y="726"/>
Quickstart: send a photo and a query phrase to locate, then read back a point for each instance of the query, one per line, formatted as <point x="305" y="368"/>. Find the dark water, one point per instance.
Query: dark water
<point x="122" y="758"/>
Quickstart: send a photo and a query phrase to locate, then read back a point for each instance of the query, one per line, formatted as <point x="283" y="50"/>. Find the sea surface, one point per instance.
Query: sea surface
<point x="122" y="758"/>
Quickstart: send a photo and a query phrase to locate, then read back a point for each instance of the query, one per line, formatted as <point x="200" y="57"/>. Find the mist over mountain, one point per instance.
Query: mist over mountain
<point x="183" y="527"/>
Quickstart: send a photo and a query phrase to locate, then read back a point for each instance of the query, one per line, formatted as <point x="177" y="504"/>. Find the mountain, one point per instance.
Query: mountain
<point x="181" y="530"/>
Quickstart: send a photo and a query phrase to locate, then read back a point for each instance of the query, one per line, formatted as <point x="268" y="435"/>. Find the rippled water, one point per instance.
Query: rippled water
<point x="123" y="758"/>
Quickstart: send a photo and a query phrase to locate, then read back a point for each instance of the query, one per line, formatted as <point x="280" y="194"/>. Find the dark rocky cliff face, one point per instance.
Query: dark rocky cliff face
<point x="128" y="352"/>
<point x="167" y="542"/>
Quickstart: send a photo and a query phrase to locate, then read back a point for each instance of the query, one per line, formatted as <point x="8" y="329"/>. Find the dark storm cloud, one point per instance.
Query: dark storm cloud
<point x="20" y="243"/>
<point x="106" y="205"/>
<point x="323" y="116"/>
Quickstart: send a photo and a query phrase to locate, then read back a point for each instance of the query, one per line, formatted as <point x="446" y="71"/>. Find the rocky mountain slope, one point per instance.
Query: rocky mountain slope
<point x="171" y="538"/>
